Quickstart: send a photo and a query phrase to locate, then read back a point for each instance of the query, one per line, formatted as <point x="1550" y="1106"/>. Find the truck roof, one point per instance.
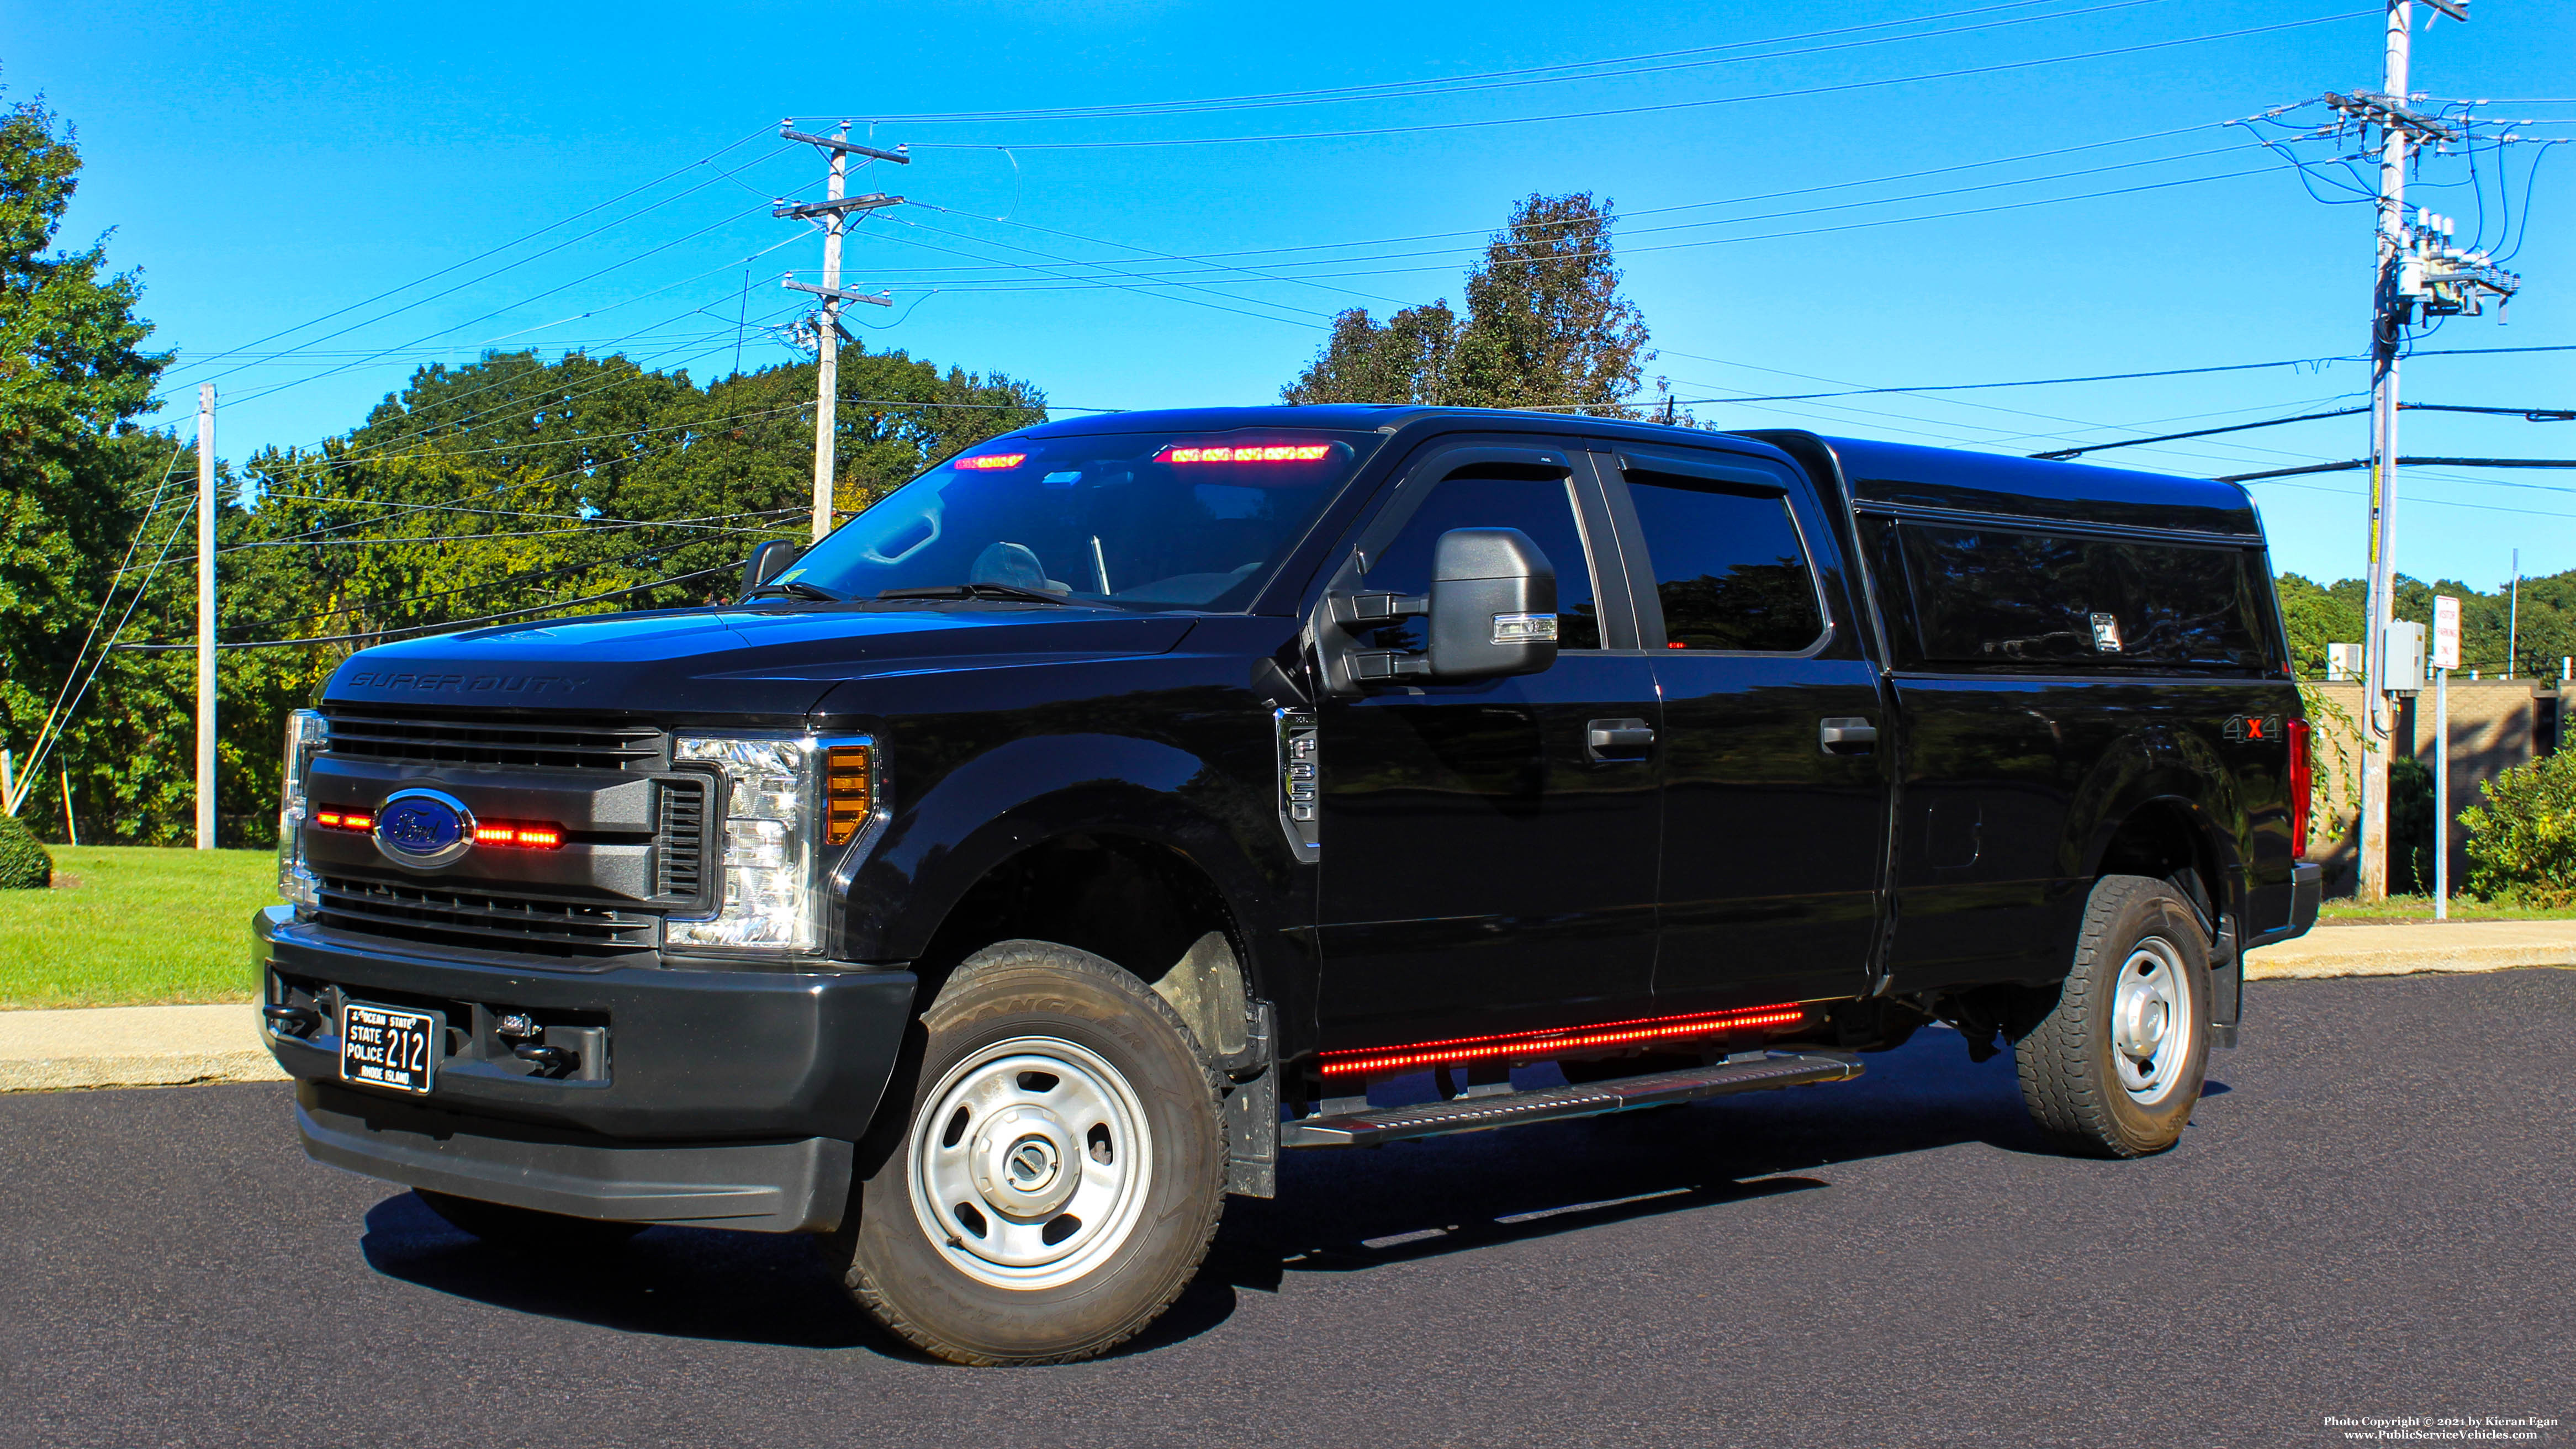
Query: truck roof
<point x="1902" y="473"/>
<point x="1898" y="474"/>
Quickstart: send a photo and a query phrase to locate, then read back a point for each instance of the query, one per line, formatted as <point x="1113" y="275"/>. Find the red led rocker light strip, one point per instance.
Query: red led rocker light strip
<point x="1553" y="1043"/>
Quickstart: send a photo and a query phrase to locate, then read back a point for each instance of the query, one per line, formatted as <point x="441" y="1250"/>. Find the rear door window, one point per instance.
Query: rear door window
<point x="1730" y="570"/>
<point x="2004" y="596"/>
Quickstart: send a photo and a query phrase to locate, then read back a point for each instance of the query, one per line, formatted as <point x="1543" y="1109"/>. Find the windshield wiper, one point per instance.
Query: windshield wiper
<point x="975" y="591"/>
<point x="796" y="591"/>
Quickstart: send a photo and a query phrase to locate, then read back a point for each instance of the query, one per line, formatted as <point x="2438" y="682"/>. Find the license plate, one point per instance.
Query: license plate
<point x="387" y="1046"/>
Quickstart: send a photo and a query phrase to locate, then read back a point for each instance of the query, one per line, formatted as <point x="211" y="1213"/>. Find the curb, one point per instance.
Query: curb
<point x="2409" y="950"/>
<point x="131" y="1046"/>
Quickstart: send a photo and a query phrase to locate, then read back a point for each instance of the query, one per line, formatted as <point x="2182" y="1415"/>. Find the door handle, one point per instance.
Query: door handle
<point x="1847" y="735"/>
<point x="1623" y="739"/>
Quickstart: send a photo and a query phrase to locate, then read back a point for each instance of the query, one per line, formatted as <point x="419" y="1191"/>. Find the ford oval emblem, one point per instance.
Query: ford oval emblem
<point x="424" y="828"/>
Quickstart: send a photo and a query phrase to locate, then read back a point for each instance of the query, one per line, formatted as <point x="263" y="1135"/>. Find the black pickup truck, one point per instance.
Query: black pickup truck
<point x="997" y="885"/>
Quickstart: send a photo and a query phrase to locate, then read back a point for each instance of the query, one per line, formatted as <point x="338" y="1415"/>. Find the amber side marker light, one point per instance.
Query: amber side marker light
<point x="1535" y="1044"/>
<point x="849" y="786"/>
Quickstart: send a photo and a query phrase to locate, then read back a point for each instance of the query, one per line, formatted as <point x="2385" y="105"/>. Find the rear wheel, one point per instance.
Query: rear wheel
<point x="2114" y="1068"/>
<point x="1058" y="1176"/>
<point x="526" y="1230"/>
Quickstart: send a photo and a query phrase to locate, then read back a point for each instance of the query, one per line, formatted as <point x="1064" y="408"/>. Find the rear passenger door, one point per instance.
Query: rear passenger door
<point x="1775" y="796"/>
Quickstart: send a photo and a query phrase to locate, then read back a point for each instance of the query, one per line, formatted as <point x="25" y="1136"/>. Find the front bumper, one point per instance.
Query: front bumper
<point x="698" y="1088"/>
<point x="774" y="1187"/>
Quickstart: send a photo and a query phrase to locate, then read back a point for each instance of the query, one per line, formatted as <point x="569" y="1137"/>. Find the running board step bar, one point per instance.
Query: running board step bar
<point x="1744" y="1072"/>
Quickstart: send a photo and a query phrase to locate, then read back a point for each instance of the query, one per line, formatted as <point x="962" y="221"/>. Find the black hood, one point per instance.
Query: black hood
<point x="728" y="661"/>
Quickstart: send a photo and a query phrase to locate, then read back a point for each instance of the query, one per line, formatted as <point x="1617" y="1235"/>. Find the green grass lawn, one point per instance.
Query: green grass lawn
<point x="2420" y="908"/>
<point x="143" y="928"/>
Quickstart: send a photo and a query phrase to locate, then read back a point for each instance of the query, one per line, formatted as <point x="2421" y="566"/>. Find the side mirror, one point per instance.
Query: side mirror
<point x="1493" y="605"/>
<point x="767" y="561"/>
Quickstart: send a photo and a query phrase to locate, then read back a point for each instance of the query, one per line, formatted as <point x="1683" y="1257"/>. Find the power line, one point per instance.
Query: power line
<point x="497" y="271"/>
<point x="480" y="256"/>
<point x="521" y="302"/>
<point x="1535" y="75"/>
<point x="1216" y="257"/>
<point x="1797" y="94"/>
<point x="1625" y="232"/>
<point x="2533" y="415"/>
<point x="1150" y="286"/>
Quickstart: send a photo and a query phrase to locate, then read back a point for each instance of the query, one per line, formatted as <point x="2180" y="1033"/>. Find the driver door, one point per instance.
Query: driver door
<point x="1485" y="866"/>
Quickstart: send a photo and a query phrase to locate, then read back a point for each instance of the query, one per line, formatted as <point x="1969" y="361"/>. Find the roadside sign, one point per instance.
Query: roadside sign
<point x="2446" y="632"/>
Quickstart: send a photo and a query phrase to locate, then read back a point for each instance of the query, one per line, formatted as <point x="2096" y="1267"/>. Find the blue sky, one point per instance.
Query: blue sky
<point x="267" y="165"/>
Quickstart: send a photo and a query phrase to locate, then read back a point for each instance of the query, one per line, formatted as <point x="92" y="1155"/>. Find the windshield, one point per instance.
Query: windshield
<point x="1137" y="520"/>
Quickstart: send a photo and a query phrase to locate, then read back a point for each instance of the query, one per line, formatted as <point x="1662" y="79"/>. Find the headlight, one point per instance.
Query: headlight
<point x="787" y="797"/>
<point x="307" y="735"/>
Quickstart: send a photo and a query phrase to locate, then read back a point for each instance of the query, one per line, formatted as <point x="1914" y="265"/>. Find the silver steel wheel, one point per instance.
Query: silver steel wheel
<point x="1031" y="1164"/>
<point x="2151" y="1021"/>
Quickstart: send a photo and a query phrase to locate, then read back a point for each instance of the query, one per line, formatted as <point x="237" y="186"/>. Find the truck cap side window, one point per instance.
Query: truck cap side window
<point x="1538" y="502"/>
<point x="1730" y="570"/>
<point x="1129" y="520"/>
<point x="2006" y="596"/>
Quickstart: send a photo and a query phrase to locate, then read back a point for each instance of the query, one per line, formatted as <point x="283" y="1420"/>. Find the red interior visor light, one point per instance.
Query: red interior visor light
<point x="992" y="461"/>
<point x="1247" y="453"/>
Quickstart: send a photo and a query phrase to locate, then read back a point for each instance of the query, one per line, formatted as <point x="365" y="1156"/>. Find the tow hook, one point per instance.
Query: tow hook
<point x="524" y="1035"/>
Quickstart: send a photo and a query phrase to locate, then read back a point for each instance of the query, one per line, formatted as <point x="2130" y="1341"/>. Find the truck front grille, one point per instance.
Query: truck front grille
<point x="538" y="744"/>
<point x="488" y="920"/>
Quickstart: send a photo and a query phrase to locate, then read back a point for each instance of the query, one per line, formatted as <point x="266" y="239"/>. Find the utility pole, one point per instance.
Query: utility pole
<point x="2513" y="618"/>
<point x="833" y="211"/>
<point x="2419" y="274"/>
<point x="205" y="616"/>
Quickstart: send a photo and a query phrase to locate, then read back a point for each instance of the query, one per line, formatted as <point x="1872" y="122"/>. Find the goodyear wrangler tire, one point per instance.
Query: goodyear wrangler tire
<point x="2114" y="1068"/>
<point x="1058" y="1175"/>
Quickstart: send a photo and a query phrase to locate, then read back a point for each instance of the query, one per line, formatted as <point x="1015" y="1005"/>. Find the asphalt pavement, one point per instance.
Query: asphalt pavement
<point x="2373" y="1215"/>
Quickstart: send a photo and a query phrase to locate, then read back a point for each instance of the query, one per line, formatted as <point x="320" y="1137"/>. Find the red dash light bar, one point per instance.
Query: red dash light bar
<point x="993" y="460"/>
<point x="1537" y="1044"/>
<point x="520" y="834"/>
<point x="1248" y="453"/>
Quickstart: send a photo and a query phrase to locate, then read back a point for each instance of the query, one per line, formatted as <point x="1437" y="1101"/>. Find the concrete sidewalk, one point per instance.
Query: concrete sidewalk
<point x="132" y="1046"/>
<point x="2423" y="946"/>
<point x="165" y="1046"/>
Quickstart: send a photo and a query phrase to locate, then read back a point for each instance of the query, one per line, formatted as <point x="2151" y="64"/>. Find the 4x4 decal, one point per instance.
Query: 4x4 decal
<point x="2255" y="728"/>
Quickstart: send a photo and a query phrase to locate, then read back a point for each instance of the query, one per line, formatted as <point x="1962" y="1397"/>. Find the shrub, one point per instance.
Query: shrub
<point x="2522" y="841"/>
<point x="25" y="864"/>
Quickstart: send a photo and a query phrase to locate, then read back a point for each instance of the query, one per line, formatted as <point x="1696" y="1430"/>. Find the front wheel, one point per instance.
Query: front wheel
<point x="1058" y="1176"/>
<point x="2114" y="1068"/>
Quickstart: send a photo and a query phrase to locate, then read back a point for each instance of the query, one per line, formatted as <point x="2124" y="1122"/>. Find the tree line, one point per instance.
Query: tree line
<point x="2541" y="632"/>
<point x="512" y="487"/>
